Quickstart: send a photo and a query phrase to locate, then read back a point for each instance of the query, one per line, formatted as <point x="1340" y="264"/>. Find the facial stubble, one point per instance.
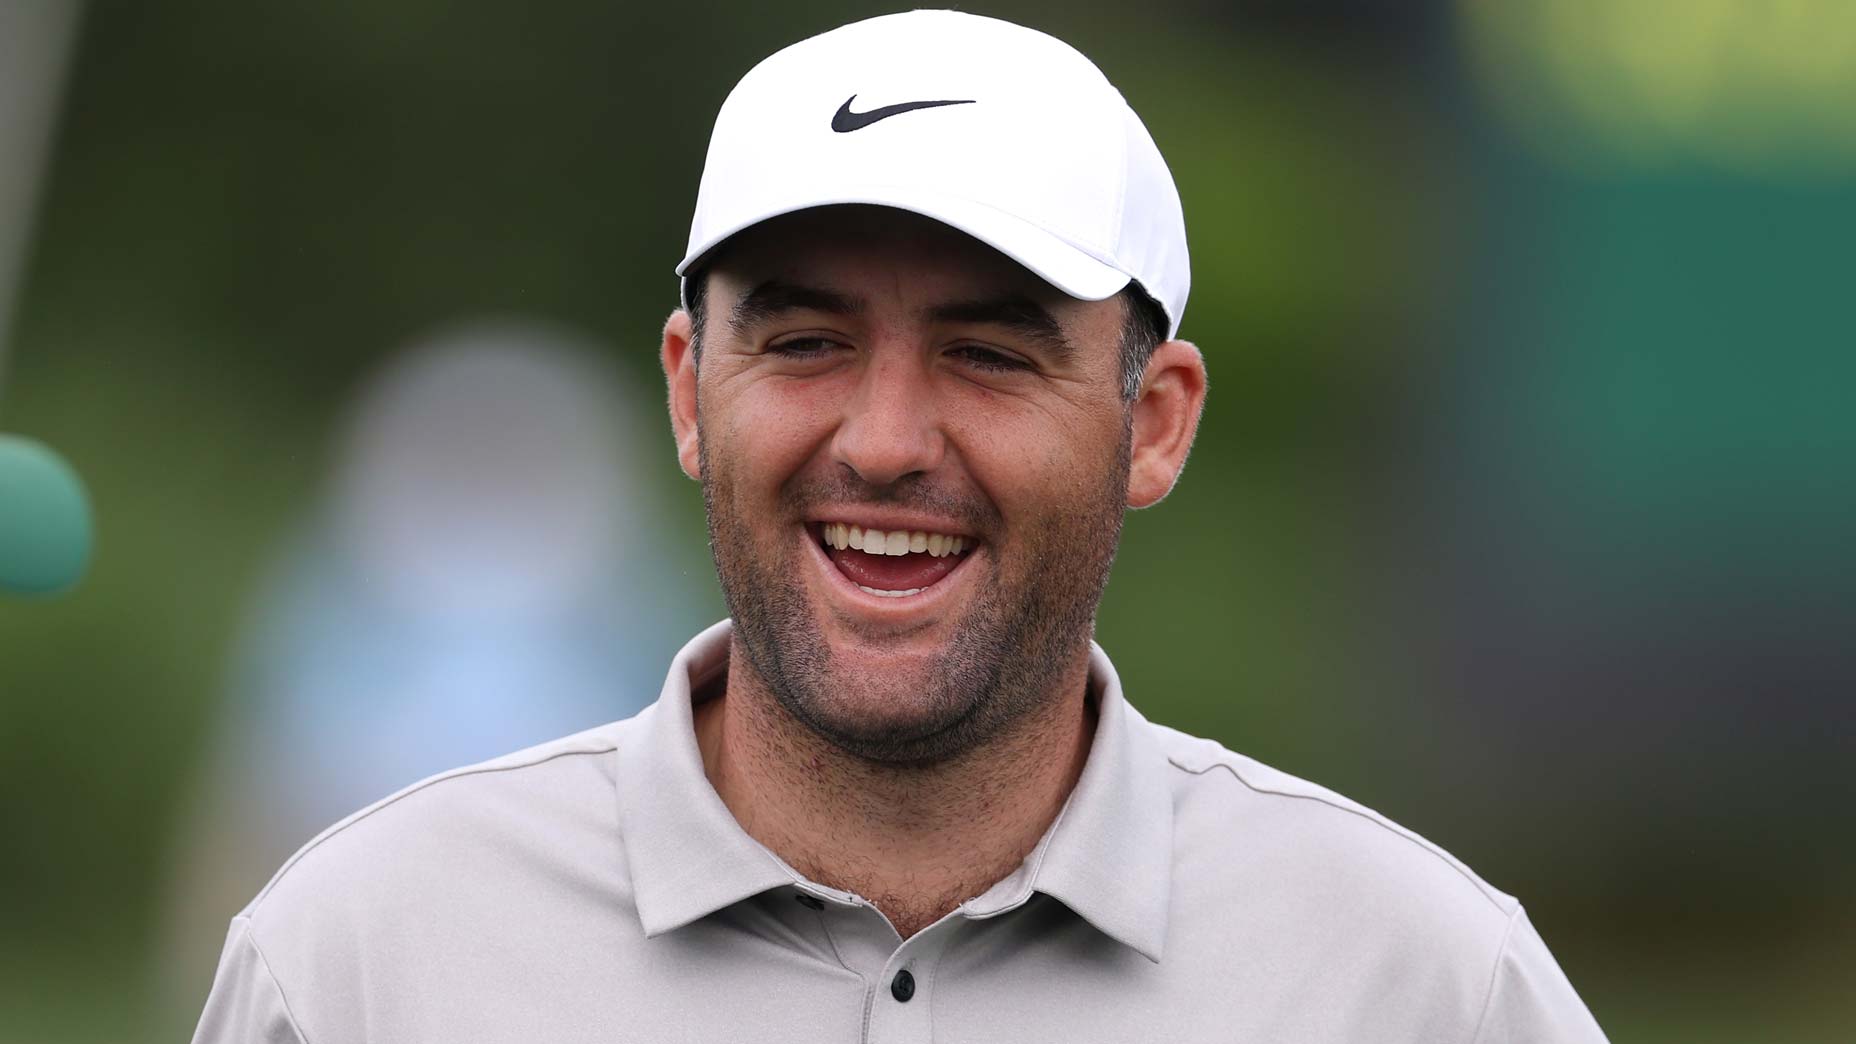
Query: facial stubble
<point x="1034" y="615"/>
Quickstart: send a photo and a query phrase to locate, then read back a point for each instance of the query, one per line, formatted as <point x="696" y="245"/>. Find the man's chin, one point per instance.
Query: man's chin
<point x="894" y="698"/>
<point x="893" y="709"/>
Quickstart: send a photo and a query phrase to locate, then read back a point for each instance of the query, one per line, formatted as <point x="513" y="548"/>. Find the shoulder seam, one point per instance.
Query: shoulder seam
<point x="395" y="799"/>
<point x="1482" y="887"/>
<point x="251" y="939"/>
<point x="1495" y="975"/>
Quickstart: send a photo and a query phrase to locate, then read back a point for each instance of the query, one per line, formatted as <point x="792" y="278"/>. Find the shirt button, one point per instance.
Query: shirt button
<point x="811" y="902"/>
<point x="902" y="987"/>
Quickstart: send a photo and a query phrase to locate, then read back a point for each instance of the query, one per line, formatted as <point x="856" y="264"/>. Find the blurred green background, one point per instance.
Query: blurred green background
<point x="1521" y="510"/>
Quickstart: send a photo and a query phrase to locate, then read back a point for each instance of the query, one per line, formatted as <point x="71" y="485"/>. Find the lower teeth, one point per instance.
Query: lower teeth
<point x="890" y="594"/>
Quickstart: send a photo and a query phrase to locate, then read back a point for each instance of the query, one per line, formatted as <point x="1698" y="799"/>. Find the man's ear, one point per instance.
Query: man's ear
<point x="679" y="357"/>
<point x="1166" y="416"/>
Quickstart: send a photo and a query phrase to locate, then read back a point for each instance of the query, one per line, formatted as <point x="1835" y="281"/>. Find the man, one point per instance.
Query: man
<point x="927" y="360"/>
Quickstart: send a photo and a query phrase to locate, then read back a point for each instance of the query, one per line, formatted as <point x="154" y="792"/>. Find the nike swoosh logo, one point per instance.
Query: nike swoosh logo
<point x="845" y="121"/>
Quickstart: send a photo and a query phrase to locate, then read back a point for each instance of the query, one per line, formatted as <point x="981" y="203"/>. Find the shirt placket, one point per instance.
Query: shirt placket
<point x="898" y="974"/>
<point x="902" y="1000"/>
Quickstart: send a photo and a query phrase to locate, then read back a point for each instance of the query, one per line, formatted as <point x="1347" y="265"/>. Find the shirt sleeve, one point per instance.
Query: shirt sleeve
<point x="1530" y="1001"/>
<point x="246" y="1004"/>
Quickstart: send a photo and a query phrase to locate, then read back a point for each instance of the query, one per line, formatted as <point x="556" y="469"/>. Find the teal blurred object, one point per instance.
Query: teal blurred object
<point x="45" y="528"/>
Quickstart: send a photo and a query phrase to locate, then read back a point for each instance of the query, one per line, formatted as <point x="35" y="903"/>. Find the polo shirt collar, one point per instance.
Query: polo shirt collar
<point x="1108" y="857"/>
<point x="687" y="856"/>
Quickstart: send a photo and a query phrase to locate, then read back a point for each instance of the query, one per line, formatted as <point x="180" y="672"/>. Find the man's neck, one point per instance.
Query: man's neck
<point x="916" y="840"/>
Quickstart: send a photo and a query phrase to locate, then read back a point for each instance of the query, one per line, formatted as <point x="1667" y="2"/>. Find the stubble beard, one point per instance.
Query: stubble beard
<point x="1034" y="616"/>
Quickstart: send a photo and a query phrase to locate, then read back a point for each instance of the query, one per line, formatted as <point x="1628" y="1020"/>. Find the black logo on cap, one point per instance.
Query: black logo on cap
<point x="845" y="121"/>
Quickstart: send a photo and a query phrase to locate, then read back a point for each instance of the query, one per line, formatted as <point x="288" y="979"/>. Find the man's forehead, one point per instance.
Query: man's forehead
<point x="863" y="252"/>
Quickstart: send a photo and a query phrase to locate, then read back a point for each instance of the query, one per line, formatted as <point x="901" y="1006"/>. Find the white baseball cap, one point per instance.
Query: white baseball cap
<point x="1005" y="133"/>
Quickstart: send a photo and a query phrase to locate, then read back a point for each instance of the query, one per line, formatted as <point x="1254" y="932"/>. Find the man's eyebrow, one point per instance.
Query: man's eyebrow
<point x="773" y="298"/>
<point x="1014" y="312"/>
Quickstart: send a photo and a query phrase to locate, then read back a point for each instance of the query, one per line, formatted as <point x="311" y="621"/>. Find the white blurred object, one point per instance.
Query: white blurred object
<point x="485" y="476"/>
<point x="489" y="574"/>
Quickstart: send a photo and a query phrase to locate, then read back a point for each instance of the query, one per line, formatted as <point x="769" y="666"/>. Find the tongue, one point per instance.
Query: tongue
<point x="891" y="572"/>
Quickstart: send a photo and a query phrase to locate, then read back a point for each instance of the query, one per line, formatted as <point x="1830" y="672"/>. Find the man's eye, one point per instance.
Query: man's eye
<point x="802" y="347"/>
<point x="988" y="359"/>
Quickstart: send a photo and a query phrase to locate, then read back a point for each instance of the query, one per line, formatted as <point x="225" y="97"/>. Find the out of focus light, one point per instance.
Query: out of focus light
<point x="1758" y="85"/>
<point x="35" y="42"/>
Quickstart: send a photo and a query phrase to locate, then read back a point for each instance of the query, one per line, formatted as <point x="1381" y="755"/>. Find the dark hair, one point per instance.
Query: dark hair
<point x="1143" y="327"/>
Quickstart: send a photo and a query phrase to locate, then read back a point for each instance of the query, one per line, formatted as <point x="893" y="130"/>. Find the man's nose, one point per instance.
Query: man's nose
<point x="891" y="427"/>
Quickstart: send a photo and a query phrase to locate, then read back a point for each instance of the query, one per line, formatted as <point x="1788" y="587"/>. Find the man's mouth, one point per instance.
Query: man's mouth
<point x="891" y="563"/>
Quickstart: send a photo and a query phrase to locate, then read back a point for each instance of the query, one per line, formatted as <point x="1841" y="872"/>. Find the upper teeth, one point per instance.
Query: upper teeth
<point x="895" y="542"/>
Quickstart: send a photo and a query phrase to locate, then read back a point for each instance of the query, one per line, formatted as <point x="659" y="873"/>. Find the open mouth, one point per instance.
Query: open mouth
<point x="892" y="563"/>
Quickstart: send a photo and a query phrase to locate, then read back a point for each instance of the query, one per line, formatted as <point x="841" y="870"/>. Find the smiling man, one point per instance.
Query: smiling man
<point x="927" y="360"/>
<point x="915" y="456"/>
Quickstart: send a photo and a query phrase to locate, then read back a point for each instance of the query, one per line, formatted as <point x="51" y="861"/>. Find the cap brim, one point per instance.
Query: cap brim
<point x="1058" y="262"/>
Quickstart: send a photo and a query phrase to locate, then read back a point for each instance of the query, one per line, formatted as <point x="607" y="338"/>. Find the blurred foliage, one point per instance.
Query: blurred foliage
<point x="1446" y="359"/>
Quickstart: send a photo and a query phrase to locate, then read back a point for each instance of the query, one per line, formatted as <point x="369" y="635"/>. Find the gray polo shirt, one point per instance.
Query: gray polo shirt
<point x="596" y="889"/>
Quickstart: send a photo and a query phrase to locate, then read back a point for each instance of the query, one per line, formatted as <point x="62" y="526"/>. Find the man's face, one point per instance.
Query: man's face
<point x="868" y="368"/>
